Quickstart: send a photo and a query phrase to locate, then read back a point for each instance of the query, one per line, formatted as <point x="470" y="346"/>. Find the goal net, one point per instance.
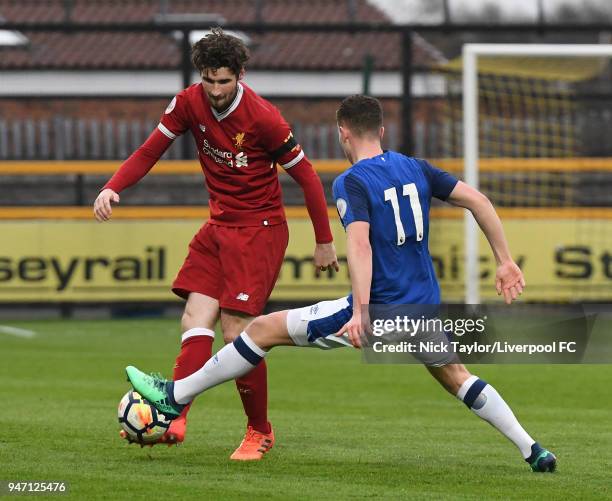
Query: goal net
<point x="532" y="125"/>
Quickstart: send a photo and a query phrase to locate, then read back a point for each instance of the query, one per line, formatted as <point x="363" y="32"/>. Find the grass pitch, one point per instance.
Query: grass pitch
<point x="344" y="429"/>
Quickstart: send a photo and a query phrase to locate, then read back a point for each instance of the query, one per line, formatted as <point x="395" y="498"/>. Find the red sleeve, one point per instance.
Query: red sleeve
<point x="175" y="120"/>
<point x="140" y="162"/>
<point x="278" y="140"/>
<point x="314" y="195"/>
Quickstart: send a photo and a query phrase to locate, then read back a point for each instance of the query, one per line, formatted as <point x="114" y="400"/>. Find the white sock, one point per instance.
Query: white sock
<point x="486" y="403"/>
<point x="197" y="331"/>
<point x="232" y="361"/>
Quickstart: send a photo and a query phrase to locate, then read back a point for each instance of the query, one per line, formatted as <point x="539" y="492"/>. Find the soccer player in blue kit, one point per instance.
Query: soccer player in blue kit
<point x="383" y="200"/>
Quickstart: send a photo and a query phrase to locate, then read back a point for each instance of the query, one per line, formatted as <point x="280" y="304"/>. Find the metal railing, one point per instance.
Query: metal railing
<point x="66" y="138"/>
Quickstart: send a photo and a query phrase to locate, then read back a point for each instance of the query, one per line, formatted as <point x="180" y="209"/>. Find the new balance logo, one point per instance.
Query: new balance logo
<point x="314" y="309"/>
<point x="242" y="297"/>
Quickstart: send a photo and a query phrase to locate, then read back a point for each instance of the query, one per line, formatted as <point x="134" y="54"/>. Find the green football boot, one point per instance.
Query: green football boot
<point x="541" y="460"/>
<point x="157" y="390"/>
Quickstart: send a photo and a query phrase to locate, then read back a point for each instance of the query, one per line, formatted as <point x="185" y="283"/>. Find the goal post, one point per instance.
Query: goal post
<point x="470" y="121"/>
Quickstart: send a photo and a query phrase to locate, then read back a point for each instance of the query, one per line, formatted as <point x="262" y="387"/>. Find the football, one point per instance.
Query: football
<point x="140" y="420"/>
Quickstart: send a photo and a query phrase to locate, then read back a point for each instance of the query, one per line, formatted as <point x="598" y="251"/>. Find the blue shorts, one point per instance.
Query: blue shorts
<point x="316" y="325"/>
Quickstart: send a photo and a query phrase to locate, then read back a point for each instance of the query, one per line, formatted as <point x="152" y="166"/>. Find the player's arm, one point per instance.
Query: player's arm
<point x="172" y="124"/>
<point x="354" y="210"/>
<point x="130" y="172"/>
<point x="359" y="256"/>
<point x="325" y="252"/>
<point x="509" y="279"/>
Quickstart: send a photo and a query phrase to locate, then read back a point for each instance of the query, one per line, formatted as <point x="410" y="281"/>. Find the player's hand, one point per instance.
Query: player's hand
<point x="509" y="281"/>
<point x="356" y="329"/>
<point x="325" y="258"/>
<point x="102" y="205"/>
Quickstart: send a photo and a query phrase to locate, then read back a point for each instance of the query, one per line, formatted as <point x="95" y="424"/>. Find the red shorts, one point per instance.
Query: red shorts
<point x="236" y="266"/>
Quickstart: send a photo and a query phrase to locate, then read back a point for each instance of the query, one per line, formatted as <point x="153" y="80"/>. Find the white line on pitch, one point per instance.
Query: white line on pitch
<point x="16" y="331"/>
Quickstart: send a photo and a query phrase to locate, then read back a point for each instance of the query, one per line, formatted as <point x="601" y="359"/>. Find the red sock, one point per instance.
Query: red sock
<point x="195" y="352"/>
<point x="253" y="389"/>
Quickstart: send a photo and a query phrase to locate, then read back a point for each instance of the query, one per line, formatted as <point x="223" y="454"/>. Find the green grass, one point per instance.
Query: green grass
<point x="344" y="429"/>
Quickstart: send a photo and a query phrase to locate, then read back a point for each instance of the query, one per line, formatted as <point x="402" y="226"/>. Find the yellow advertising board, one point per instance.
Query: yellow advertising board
<point x="136" y="260"/>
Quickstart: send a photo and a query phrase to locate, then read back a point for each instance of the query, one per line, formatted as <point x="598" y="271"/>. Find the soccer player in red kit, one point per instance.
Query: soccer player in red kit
<point x="235" y="258"/>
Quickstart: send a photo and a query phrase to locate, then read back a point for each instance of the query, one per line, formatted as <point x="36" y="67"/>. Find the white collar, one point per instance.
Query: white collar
<point x="232" y="107"/>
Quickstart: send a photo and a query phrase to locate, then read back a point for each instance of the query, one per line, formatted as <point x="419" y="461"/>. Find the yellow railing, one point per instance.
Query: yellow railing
<point x="166" y="167"/>
<point x="322" y="166"/>
<point x="293" y="212"/>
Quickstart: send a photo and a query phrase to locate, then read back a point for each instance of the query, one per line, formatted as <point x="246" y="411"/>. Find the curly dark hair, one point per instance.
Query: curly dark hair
<point x="361" y="114"/>
<point x="219" y="50"/>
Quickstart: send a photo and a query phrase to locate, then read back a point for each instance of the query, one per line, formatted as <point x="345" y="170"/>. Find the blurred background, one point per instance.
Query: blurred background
<point x="83" y="83"/>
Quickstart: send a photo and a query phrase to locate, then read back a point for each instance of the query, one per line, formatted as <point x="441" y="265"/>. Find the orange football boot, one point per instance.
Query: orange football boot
<point x="254" y="445"/>
<point x="176" y="431"/>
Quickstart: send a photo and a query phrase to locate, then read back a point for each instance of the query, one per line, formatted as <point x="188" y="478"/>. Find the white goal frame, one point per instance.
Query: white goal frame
<point x="470" y="129"/>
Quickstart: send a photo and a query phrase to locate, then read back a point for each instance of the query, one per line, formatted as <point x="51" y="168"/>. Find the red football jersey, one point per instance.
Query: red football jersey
<point x="238" y="151"/>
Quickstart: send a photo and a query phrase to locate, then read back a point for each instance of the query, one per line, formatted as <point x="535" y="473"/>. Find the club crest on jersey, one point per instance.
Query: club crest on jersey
<point x="171" y="106"/>
<point x="239" y="140"/>
<point x="341" y="205"/>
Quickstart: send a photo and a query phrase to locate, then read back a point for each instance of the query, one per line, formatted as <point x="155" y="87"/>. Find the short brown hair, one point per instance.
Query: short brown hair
<point x="361" y="114"/>
<point x="219" y="50"/>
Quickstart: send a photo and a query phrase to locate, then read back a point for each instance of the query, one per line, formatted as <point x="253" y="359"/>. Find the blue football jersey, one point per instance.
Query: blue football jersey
<point x="393" y="193"/>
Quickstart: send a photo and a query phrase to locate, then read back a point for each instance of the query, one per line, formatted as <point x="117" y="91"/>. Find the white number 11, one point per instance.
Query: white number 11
<point x="410" y="190"/>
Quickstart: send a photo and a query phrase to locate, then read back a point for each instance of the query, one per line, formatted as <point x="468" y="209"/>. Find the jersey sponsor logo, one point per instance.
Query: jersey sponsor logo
<point x="171" y="106"/>
<point x="239" y="140"/>
<point x="225" y="157"/>
<point x="219" y="156"/>
<point x="242" y="297"/>
<point x="341" y="205"/>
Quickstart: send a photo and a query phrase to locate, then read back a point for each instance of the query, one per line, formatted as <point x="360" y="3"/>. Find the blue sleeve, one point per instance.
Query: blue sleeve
<point x="442" y="183"/>
<point x="351" y="200"/>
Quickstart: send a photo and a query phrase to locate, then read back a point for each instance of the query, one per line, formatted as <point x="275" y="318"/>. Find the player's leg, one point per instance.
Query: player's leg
<point x="198" y="282"/>
<point x="233" y="361"/>
<point x="253" y="386"/>
<point x="487" y="404"/>
<point x="310" y="326"/>
<point x="197" y="324"/>
<point x="251" y="261"/>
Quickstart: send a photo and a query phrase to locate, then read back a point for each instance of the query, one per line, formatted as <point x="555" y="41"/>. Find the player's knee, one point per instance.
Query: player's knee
<point x="456" y="377"/>
<point x="270" y="330"/>
<point x="451" y="376"/>
<point x="230" y="335"/>
<point x="188" y="321"/>
<point x="231" y="330"/>
<point x="233" y="323"/>
<point x="259" y="330"/>
<point x="200" y="311"/>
